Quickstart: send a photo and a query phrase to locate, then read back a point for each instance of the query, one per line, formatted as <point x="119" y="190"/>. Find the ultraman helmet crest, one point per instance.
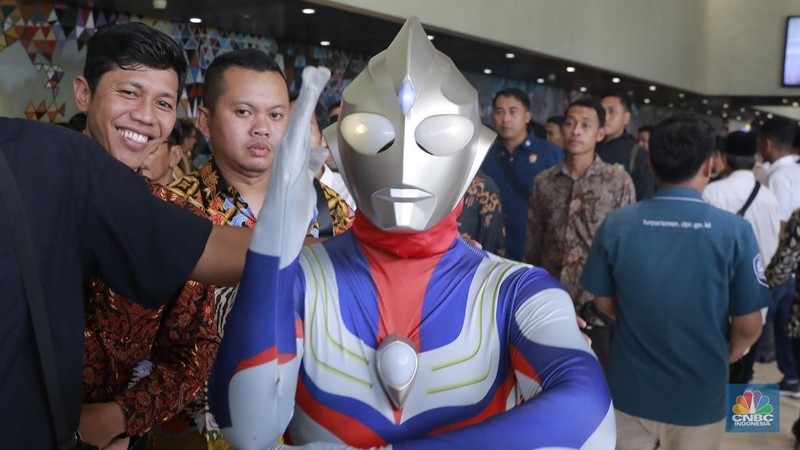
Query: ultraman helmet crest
<point x="409" y="138"/>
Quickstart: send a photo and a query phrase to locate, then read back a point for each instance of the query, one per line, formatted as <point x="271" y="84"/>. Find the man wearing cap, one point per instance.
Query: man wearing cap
<point x="739" y="192"/>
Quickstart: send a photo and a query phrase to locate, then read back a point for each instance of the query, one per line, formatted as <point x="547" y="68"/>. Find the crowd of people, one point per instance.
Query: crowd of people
<point x="372" y="308"/>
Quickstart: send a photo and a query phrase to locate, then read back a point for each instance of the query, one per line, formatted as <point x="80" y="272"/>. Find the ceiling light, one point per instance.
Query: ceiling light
<point x="795" y="104"/>
<point x="647" y="100"/>
<point x="159" y="4"/>
<point x="705" y="101"/>
<point x="725" y="105"/>
<point x="671" y="105"/>
<point x="758" y="113"/>
<point x="769" y="116"/>
<point x="741" y="109"/>
<point x="708" y="112"/>
<point x="324" y="43"/>
<point x="785" y="101"/>
<point x="570" y="69"/>
<point x="540" y="80"/>
<point x="487" y="71"/>
<point x="724" y="115"/>
<point x="761" y="122"/>
<point x="510" y="55"/>
<point x="308" y="11"/>
<point x="615" y="80"/>
<point x="246" y="16"/>
<point x="430" y="37"/>
<point x="195" y="20"/>
<point x="739" y="118"/>
<point x="583" y="89"/>
<point x="681" y="95"/>
<point x="652" y="88"/>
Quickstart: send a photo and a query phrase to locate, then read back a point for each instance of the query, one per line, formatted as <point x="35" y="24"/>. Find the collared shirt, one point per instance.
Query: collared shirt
<point x="180" y="340"/>
<point x="527" y="160"/>
<point x="619" y="152"/>
<point x="482" y="216"/>
<point x="783" y="179"/>
<point x="224" y="205"/>
<point x="763" y="214"/>
<point x="785" y="265"/>
<point x="564" y="214"/>
<point x="679" y="269"/>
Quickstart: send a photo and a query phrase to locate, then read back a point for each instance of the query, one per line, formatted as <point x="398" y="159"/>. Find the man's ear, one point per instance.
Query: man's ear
<point x="175" y="152"/>
<point x="83" y="95"/>
<point x="708" y="167"/>
<point x="203" y="118"/>
<point x="601" y="134"/>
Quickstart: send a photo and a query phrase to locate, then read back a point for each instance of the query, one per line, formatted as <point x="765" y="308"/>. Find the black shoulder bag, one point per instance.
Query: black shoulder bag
<point x="749" y="201"/>
<point x="23" y="243"/>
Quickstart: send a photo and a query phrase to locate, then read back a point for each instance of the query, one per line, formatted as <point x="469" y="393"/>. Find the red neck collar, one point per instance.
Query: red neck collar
<point x="434" y="241"/>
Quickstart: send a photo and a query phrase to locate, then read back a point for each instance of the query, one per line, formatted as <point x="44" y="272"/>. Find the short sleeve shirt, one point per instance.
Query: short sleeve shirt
<point x="679" y="268"/>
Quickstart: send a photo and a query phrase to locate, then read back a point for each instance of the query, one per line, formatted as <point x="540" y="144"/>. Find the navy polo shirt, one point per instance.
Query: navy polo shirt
<point x="679" y="269"/>
<point x="530" y="158"/>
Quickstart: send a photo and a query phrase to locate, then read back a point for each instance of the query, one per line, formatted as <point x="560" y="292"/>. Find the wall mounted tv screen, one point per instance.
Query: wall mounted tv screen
<point x="791" y="53"/>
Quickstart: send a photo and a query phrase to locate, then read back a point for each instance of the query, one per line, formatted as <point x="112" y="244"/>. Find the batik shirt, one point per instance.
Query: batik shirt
<point x="785" y="264"/>
<point x="564" y="215"/>
<point x="180" y="341"/>
<point x="222" y="203"/>
<point x="482" y="218"/>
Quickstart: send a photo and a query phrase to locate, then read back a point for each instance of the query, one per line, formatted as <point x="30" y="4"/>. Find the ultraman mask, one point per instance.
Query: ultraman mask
<point x="409" y="138"/>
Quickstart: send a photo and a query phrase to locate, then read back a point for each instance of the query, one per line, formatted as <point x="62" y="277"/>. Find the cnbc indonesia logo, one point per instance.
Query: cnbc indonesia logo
<point x="752" y="410"/>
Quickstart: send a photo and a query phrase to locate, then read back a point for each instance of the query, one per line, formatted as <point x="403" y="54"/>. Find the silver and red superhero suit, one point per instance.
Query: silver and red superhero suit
<point x="398" y="333"/>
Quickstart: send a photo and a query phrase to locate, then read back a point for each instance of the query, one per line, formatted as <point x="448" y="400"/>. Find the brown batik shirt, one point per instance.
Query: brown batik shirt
<point x="564" y="214"/>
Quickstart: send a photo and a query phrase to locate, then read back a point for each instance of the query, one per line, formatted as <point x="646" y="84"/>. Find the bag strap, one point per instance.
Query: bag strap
<point x="23" y="243"/>
<point x="749" y="200"/>
<point x="323" y="212"/>
<point x="634" y="153"/>
<point x="512" y="178"/>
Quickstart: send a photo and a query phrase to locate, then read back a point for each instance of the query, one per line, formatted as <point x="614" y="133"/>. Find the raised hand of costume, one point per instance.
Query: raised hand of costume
<point x="254" y="377"/>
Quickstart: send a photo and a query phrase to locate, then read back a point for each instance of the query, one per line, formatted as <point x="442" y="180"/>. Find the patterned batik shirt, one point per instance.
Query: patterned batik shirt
<point x="785" y="264"/>
<point x="564" y="214"/>
<point x="482" y="217"/>
<point x="179" y="341"/>
<point x="223" y="205"/>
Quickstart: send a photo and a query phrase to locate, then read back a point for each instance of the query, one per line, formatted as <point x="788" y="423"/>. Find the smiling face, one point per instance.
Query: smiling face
<point x="247" y="121"/>
<point x="130" y="112"/>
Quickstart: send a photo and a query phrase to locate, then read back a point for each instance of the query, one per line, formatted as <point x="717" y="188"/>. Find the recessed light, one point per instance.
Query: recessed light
<point x="739" y="118"/>
<point x="671" y="105"/>
<point x="681" y="95"/>
<point x="570" y="69"/>
<point x="583" y="89"/>
<point x="741" y="109"/>
<point x="540" y="80"/>
<point x="652" y="88"/>
<point x="309" y="11"/>
<point x="195" y="20"/>
<point x="795" y="104"/>
<point x="615" y="80"/>
<point x="159" y="4"/>
<point x="769" y="116"/>
<point x="324" y="43"/>
<point x="705" y="101"/>
<point x="430" y="37"/>
<point x="708" y="112"/>
<point x="725" y="105"/>
<point x="246" y="16"/>
<point x="785" y="101"/>
<point x="487" y="71"/>
<point x="724" y="115"/>
<point x="758" y="113"/>
<point x="647" y="100"/>
<point x="761" y="122"/>
<point x="510" y="55"/>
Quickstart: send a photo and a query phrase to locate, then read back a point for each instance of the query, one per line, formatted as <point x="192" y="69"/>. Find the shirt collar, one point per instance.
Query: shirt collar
<point x="782" y="162"/>
<point x="744" y="175"/>
<point x="678" y="192"/>
<point x="594" y="168"/>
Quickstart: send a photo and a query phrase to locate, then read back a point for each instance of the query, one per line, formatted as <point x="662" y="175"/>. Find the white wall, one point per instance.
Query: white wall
<point x="715" y="47"/>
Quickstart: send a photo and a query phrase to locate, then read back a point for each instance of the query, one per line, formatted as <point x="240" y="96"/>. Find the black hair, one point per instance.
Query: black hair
<point x="517" y="93"/>
<point x="593" y="103"/>
<point x="622" y="99"/>
<point x="186" y="128"/>
<point x="779" y="130"/>
<point x="536" y="128"/>
<point x="176" y="136"/>
<point x="679" y="146"/>
<point x="645" y="128"/>
<point x="77" y="122"/>
<point x="246" y="58"/>
<point x="558" y="120"/>
<point x="738" y="162"/>
<point x="130" y="46"/>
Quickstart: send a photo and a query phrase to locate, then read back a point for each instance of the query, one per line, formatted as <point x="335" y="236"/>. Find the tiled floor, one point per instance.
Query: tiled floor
<point x="790" y="409"/>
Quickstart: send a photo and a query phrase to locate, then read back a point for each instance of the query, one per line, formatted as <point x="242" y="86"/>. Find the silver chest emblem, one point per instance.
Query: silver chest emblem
<point x="396" y="364"/>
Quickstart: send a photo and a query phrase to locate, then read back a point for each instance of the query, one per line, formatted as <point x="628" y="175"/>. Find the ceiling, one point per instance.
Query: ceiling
<point x="364" y="34"/>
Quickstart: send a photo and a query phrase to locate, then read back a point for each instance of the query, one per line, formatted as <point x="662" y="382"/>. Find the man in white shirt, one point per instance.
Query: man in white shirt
<point x="783" y="179"/>
<point x="738" y="192"/>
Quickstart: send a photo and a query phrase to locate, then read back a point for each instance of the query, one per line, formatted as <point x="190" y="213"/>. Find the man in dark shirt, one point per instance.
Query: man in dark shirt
<point x="620" y="148"/>
<point x="514" y="161"/>
<point x="89" y="215"/>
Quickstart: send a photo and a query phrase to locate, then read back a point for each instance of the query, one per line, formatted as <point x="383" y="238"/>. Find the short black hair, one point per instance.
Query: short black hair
<point x="186" y="128"/>
<point x="738" y="162"/>
<point x="679" y="146"/>
<point x="779" y="130"/>
<point x="593" y="103"/>
<point x="645" y="128"/>
<point x="622" y="99"/>
<point x="246" y="58"/>
<point x="176" y="136"/>
<point x="517" y="93"/>
<point x="558" y="120"/>
<point x="130" y="46"/>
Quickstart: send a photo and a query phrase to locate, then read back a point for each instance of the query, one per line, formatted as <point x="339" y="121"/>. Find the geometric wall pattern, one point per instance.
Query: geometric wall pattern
<point x="41" y="29"/>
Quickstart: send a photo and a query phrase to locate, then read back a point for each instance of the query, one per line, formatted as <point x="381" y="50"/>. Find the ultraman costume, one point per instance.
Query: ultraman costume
<point x="398" y="333"/>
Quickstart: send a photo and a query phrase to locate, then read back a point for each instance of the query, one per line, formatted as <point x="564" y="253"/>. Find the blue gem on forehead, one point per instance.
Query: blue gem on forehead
<point x="406" y="96"/>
